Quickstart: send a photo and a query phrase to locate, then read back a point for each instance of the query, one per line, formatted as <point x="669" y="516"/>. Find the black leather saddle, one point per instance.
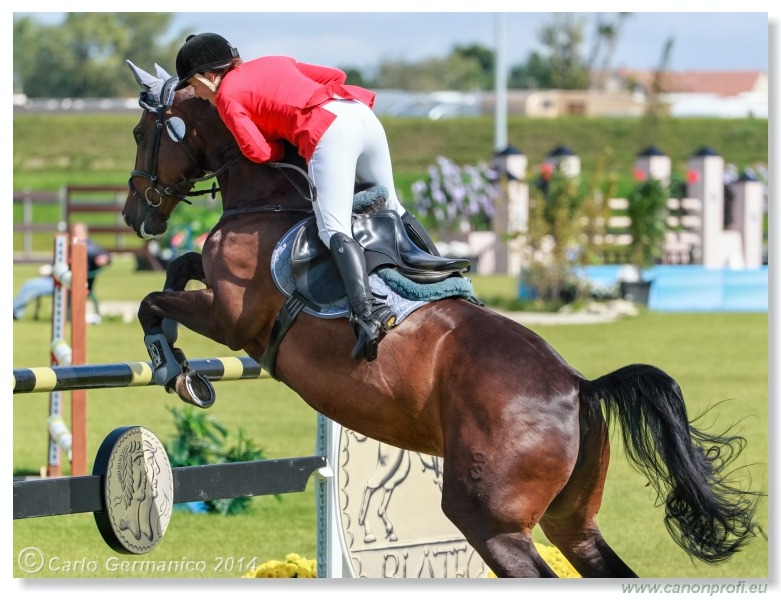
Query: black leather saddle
<point x="386" y="244"/>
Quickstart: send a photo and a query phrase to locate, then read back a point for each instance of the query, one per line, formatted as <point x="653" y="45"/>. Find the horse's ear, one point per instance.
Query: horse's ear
<point x="161" y="72"/>
<point x="144" y="79"/>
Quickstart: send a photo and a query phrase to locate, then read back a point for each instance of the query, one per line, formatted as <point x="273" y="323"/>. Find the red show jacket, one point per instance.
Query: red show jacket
<point x="275" y="98"/>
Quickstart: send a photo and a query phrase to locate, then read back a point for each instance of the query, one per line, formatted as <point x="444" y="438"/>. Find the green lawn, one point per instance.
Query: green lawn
<point x="715" y="357"/>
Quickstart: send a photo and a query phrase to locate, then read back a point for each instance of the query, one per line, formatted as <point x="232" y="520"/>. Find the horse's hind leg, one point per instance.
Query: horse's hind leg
<point x="570" y="521"/>
<point x="496" y="502"/>
<point x="504" y="543"/>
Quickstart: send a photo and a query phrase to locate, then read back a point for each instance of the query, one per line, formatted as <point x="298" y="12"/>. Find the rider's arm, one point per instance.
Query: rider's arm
<point x="251" y="141"/>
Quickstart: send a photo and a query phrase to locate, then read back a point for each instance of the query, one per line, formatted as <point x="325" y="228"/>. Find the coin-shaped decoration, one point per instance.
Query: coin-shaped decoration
<point x="138" y="490"/>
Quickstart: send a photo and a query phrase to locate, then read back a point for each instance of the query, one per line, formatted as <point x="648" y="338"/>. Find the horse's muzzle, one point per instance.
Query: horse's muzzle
<point x="152" y="227"/>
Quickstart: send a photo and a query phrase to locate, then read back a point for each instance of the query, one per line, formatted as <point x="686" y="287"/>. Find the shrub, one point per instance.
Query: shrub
<point x="202" y="440"/>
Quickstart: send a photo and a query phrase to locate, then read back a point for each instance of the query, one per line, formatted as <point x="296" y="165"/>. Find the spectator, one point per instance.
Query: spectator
<point x="32" y="289"/>
<point x="43" y="285"/>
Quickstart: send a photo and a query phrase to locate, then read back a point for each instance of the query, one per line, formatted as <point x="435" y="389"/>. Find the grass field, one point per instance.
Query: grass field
<point x="716" y="358"/>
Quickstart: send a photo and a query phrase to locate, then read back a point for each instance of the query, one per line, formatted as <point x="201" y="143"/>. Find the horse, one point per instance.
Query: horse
<point x="522" y="435"/>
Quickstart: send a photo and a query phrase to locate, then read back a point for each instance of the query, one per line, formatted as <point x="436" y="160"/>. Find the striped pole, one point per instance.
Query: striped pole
<point x="129" y="374"/>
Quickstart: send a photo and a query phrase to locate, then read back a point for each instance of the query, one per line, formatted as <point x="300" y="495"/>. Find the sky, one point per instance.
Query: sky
<point x="339" y="37"/>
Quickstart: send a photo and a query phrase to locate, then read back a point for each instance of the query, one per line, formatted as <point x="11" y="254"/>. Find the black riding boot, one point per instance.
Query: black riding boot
<point x="370" y="317"/>
<point x="420" y="237"/>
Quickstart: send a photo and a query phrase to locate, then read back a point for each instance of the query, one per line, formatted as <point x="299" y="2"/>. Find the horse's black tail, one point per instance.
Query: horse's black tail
<point x="705" y="512"/>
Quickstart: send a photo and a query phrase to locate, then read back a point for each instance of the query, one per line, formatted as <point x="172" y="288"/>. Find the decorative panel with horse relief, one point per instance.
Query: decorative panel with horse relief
<point x="391" y="517"/>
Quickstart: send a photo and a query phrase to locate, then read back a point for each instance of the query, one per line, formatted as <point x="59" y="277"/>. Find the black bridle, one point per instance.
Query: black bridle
<point x="171" y="191"/>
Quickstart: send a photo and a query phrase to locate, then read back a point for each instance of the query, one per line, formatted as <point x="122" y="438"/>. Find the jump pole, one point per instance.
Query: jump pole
<point x="127" y="374"/>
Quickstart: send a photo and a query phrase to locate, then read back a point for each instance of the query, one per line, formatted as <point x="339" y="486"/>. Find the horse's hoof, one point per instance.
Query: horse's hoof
<point x="195" y="389"/>
<point x="392" y="537"/>
<point x="369" y="538"/>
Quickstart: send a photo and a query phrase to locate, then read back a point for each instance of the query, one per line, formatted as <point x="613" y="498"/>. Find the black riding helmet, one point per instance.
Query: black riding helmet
<point x="202" y="52"/>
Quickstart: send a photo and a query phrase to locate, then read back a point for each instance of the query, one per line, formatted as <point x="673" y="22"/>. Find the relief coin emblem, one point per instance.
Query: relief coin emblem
<point x="138" y="490"/>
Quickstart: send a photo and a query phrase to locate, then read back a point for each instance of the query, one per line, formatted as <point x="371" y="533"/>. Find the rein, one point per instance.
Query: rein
<point x="312" y="189"/>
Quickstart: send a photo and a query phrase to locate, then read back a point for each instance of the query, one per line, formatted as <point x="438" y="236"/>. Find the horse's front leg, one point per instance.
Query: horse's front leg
<point x="193" y="309"/>
<point x="184" y="269"/>
<point x="161" y="312"/>
<point x="180" y="271"/>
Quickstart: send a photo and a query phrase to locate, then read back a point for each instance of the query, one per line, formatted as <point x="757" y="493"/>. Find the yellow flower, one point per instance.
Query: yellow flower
<point x="294" y="566"/>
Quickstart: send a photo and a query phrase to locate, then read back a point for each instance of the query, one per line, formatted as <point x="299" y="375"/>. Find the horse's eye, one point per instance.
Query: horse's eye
<point x="138" y="136"/>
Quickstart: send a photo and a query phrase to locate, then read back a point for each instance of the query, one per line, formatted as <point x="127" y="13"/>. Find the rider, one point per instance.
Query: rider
<point x="274" y="98"/>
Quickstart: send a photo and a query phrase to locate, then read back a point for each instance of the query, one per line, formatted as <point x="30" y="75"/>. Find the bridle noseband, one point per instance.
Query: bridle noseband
<point x="170" y="191"/>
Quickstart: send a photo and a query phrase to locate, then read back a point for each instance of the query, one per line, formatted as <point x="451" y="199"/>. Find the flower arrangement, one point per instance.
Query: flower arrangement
<point x="293" y="567"/>
<point x="454" y="198"/>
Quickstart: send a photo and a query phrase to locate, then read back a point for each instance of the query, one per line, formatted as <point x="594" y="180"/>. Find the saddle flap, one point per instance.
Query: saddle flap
<point x="314" y="270"/>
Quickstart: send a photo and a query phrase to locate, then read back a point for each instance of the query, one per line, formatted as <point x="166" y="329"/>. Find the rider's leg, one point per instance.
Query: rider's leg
<point x="374" y="164"/>
<point x="371" y="317"/>
<point x="332" y="169"/>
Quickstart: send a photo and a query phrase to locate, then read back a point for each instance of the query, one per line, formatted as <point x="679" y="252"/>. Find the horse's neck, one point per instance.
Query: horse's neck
<point x="245" y="184"/>
<point x="250" y="185"/>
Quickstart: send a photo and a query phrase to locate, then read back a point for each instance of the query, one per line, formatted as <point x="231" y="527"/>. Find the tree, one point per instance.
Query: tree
<point x="606" y="33"/>
<point x="85" y="55"/>
<point x="563" y="39"/>
<point x="356" y="77"/>
<point x="465" y="68"/>
<point x="656" y="109"/>
<point x="561" y="66"/>
<point x="485" y="57"/>
<point x="535" y="74"/>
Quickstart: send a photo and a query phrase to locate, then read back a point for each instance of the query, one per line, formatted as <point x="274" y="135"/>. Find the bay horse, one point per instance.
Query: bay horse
<point x="523" y="436"/>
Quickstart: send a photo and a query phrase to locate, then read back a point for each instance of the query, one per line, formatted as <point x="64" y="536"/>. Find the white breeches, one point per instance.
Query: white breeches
<point x="353" y="146"/>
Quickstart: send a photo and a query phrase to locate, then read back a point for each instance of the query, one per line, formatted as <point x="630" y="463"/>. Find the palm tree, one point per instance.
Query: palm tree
<point x="607" y="34"/>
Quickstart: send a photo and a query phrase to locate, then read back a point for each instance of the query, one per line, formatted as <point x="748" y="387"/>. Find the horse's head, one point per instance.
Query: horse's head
<point x="169" y="153"/>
